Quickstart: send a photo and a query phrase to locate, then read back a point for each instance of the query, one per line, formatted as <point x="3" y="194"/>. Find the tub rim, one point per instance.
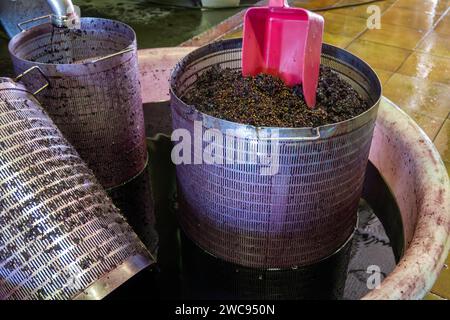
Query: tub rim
<point x="427" y="225"/>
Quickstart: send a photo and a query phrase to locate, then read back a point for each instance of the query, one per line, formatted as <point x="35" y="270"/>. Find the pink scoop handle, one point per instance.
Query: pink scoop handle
<point x="284" y="42"/>
<point x="278" y="3"/>
<point x="311" y="58"/>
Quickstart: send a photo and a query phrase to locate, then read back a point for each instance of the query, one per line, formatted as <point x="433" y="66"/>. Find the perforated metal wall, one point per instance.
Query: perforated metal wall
<point x="59" y="232"/>
<point x="94" y="94"/>
<point x="296" y="217"/>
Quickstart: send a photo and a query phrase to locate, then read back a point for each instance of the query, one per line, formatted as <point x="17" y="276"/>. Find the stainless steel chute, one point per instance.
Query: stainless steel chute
<point x="14" y="12"/>
<point x="298" y="216"/>
<point x="15" y="15"/>
<point x="61" y="237"/>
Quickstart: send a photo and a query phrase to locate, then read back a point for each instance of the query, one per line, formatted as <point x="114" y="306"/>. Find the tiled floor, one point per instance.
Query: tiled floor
<point x="411" y="54"/>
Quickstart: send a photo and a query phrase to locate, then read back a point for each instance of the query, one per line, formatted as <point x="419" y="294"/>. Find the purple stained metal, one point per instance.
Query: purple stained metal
<point x="296" y="217"/>
<point x="61" y="237"/>
<point x="94" y="95"/>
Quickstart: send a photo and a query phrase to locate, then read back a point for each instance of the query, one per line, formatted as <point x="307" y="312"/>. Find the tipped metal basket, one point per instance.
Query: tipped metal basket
<point x="298" y="216"/>
<point x="61" y="237"/>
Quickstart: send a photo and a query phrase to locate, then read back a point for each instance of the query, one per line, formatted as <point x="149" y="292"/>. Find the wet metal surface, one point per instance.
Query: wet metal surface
<point x="301" y="214"/>
<point x="59" y="232"/>
<point x="94" y="98"/>
<point x="94" y="95"/>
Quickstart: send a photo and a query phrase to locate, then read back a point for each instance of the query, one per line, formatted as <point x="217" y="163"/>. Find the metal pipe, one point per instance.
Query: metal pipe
<point x="64" y="14"/>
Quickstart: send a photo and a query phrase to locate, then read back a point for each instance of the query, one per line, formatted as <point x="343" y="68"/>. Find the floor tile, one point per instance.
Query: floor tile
<point x="383" y="75"/>
<point x="428" y="6"/>
<point x="430" y="125"/>
<point x="344" y="25"/>
<point x="427" y="66"/>
<point x="418" y="95"/>
<point x="436" y="44"/>
<point x="312" y="5"/>
<point x="379" y="56"/>
<point x="234" y="34"/>
<point x="443" y="27"/>
<point x="360" y="11"/>
<point x="409" y="18"/>
<point x="442" y="285"/>
<point x="393" y="35"/>
<point x="337" y="40"/>
<point x="442" y="143"/>
<point x="447" y="166"/>
<point x="432" y="296"/>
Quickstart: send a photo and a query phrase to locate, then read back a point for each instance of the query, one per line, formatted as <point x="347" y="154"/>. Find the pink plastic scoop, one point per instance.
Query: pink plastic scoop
<point x="284" y="42"/>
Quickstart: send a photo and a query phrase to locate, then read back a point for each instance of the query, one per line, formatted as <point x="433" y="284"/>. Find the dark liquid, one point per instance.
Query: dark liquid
<point x="201" y="276"/>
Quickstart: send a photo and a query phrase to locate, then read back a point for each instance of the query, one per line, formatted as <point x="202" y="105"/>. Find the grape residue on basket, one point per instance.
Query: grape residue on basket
<point x="265" y="101"/>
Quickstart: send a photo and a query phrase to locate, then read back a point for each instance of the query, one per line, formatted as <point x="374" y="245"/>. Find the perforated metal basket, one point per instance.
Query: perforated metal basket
<point x="60" y="235"/>
<point x="94" y="94"/>
<point x="296" y="217"/>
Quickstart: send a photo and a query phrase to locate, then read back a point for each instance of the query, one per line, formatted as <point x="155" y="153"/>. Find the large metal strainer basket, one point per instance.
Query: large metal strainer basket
<point x="94" y="94"/>
<point x="300" y="215"/>
<point x="61" y="237"/>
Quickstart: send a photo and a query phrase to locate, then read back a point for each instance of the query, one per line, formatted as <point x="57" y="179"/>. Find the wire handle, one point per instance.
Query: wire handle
<point x="20" y="76"/>
<point x="129" y="49"/>
<point x="20" y="24"/>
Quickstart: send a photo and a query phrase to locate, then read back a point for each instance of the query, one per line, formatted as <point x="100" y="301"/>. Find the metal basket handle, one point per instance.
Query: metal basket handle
<point x="20" y="24"/>
<point x="20" y="76"/>
<point x="129" y="49"/>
